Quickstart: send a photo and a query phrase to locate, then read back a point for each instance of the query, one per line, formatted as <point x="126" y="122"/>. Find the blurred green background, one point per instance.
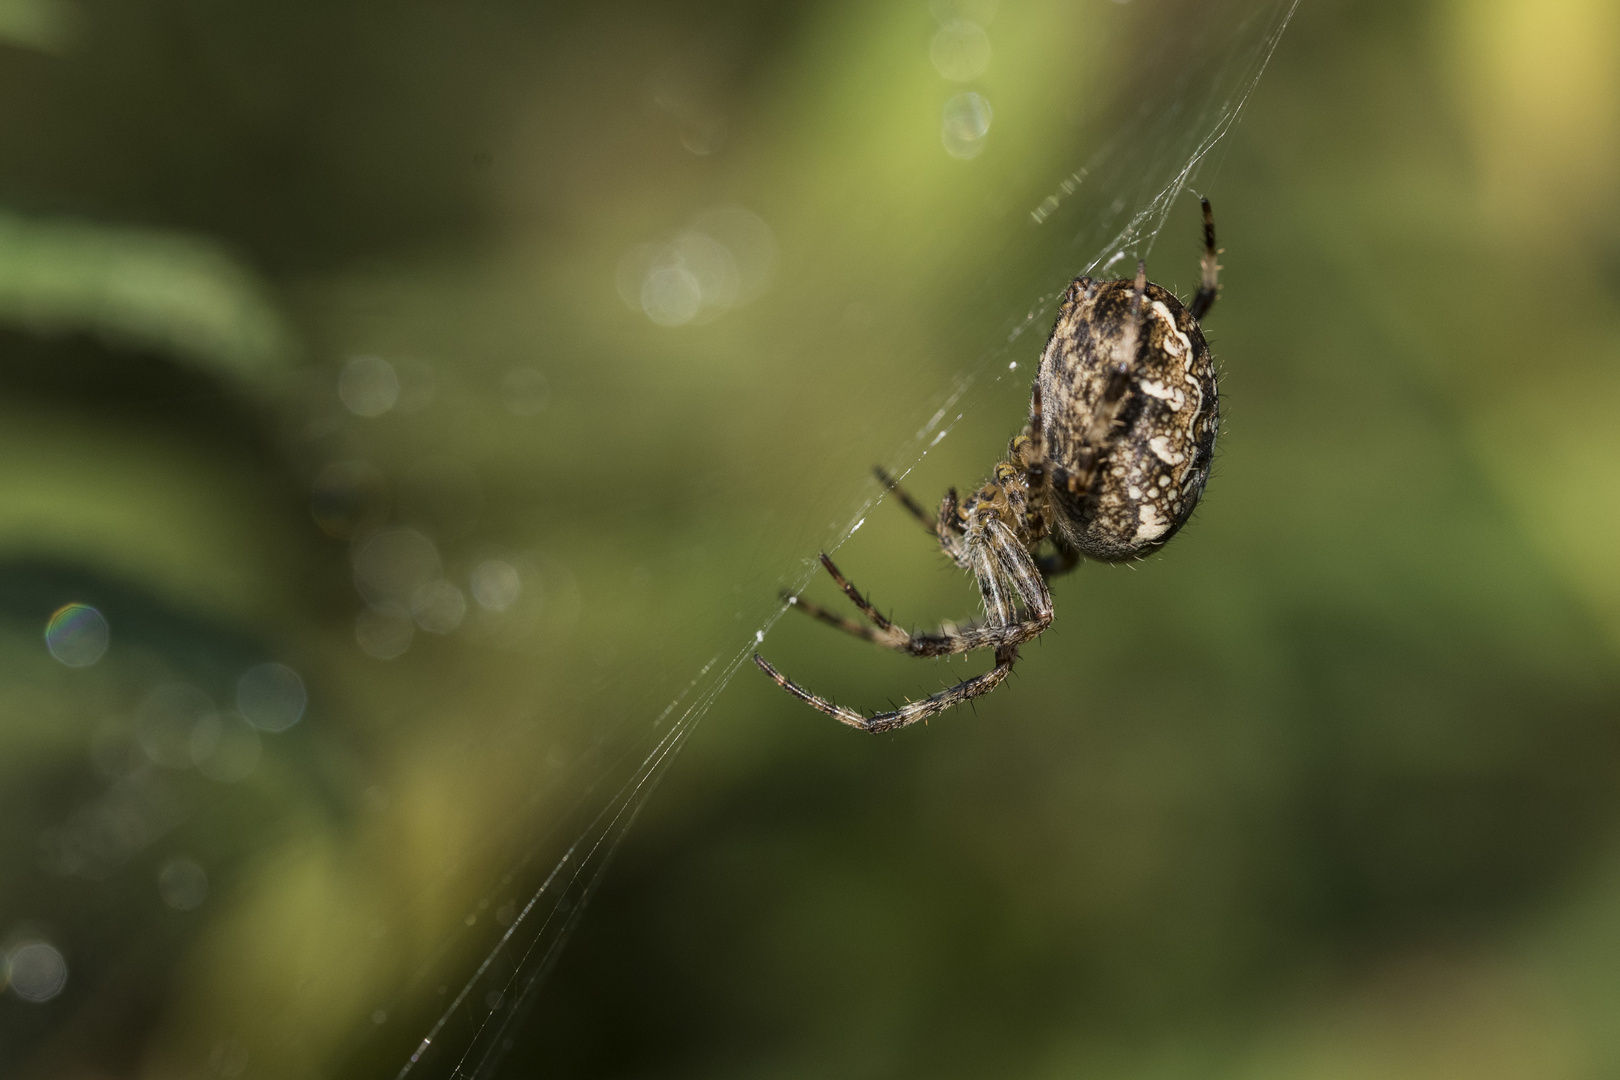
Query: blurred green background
<point x="422" y="394"/>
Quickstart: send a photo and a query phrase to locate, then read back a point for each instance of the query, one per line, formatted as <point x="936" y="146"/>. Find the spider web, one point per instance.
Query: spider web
<point x="1110" y="209"/>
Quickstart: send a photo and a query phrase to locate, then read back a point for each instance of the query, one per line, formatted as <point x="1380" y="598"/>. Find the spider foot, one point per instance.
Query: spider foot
<point x="847" y="716"/>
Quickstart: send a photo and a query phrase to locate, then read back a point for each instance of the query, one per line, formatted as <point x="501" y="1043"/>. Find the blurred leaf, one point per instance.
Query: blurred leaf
<point x="51" y="26"/>
<point x="180" y="293"/>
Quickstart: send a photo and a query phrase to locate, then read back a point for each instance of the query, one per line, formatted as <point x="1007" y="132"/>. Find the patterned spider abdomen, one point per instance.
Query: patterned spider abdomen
<point x="1129" y="439"/>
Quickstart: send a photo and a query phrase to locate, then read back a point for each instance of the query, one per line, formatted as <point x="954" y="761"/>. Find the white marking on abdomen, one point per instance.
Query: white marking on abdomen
<point x="1187" y="355"/>
<point x="1153" y="526"/>
<point x="1160" y="445"/>
<point x="1170" y="321"/>
<point x="1175" y="397"/>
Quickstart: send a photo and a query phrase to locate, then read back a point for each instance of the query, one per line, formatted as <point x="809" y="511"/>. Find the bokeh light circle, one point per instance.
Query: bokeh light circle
<point x="368" y="386"/>
<point x="183" y="884"/>
<point x="439" y="607"/>
<point x="77" y="635"/>
<point x="965" y="125"/>
<point x="711" y="265"/>
<point x="671" y="295"/>
<point x="725" y="258"/>
<point x="271" y="697"/>
<point x="38" y="971"/>
<point x="749" y="244"/>
<point x="391" y="564"/>
<point x="384" y="633"/>
<point x="495" y="584"/>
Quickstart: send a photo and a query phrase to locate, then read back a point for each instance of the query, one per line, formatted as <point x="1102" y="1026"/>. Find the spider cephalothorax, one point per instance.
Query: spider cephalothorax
<point x="1121" y="432"/>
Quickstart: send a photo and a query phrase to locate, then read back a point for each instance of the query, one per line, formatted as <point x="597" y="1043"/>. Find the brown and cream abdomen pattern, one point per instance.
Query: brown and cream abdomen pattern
<point x="1154" y="466"/>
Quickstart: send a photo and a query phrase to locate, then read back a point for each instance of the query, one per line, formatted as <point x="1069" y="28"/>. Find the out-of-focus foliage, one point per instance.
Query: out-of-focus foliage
<point x="170" y="293"/>
<point x="490" y="365"/>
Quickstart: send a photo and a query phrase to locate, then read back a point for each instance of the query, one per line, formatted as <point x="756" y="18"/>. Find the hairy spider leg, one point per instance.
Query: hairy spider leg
<point x="1131" y="341"/>
<point x="881" y="631"/>
<point x="833" y="619"/>
<point x="1028" y="452"/>
<point x="1210" y="286"/>
<point x="1025" y="503"/>
<point x="949" y="529"/>
<point x="1001" y="627"/>
<point x="1027" y="455"/>
<point x="913" y="507"/>
<point x="1033" y="455"/>
<point x="1007" y="575"/>
<point x="910" y="712"/>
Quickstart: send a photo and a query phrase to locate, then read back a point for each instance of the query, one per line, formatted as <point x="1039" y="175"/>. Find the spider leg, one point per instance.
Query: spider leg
<point x="1007" y="577"/>
<point x="913" y="507"/>
<point x="1035" y="454"/>
<point x="838" y="622"/>
<point x="948" y="528"/>
<point x="1002" y="560"/>
<point x="891" y="634"/>
<point x="1131" y="340"/>
<point x="883" y="632"/>
<point x="910" y="712"/>
<point x="1029" y="455"/>
<point x="1209" y="286"/>
<point x="1026" y="578"/>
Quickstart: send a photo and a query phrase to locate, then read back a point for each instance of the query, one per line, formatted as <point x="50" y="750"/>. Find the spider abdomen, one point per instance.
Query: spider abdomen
<point x="1124" y="495"/>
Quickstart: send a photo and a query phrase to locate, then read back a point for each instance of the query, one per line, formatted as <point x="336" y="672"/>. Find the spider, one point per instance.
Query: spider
<point x="1122" y="421"/>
